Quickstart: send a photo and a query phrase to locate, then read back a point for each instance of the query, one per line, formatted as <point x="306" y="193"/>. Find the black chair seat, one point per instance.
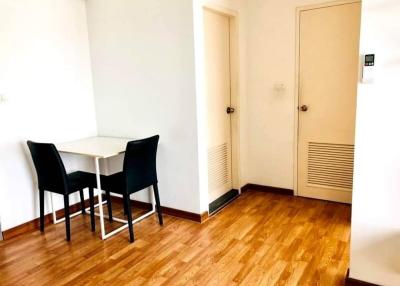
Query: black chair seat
<point x="113" y="183"/>
<point x="79" y="180"/>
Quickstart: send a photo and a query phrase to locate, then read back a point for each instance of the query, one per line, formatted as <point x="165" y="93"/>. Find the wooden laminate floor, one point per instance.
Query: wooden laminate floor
<point x="259" y="239"/>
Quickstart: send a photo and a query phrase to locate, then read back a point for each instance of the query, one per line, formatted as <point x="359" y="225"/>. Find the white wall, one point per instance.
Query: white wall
<point x="270" y="31"/>
<point x="144" y="81"/>
<point x="375" y="235"/>
<point x="46" y="78"/>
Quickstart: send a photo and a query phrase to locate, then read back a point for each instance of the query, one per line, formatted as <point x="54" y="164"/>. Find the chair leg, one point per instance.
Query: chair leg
<point x="129" y="214"/>
<point x="82" y="202"/>
<point x="125" y="207"/>
<point x="91" y="202"/>
<point x="158" y="205"/>
<point x="108" y="198"/>
<point x="41" y="202"/>
<point x="67" y="218"/>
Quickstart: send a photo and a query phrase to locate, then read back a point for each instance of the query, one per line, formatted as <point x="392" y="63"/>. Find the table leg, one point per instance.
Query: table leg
<point x="99" y="192"/>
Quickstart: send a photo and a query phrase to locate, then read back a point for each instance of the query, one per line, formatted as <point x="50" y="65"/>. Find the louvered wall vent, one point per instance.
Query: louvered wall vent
<point x="330" y="165"/>
<point x="218" y="169"/>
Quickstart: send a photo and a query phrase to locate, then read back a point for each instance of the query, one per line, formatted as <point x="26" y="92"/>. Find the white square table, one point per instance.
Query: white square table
<point x="101" y="148"/>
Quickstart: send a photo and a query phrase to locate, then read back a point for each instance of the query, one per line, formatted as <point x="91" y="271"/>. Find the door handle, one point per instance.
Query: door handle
<point x="303" y="108"/>
<point x="230" y="110"/>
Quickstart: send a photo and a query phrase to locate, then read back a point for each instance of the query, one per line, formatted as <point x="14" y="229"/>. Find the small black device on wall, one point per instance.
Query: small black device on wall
<point x="368" y="68"/>
<point x="369" y="60"/>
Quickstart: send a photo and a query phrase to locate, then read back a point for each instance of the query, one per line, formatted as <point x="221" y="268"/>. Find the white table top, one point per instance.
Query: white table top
<point x="100" y="147"/>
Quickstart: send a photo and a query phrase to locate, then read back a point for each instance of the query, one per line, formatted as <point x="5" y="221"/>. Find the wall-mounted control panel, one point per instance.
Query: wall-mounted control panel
<point x="368" y="68"/>
<point x="369" y="60"/>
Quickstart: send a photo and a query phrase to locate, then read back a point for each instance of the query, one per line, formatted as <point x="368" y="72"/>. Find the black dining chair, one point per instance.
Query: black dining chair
<point x="52" y="177"/>
<point x="139" y="172"/>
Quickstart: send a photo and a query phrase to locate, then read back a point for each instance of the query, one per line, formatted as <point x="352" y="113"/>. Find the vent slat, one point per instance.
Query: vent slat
<point x="331" y="159"/>
<point x="326" y="183"/>
<point x="330" y="169"/>
<point x="331" y="179"/>
<point x="333" y="174"/>
<point x="322" y="184"/>
<point x="342" y="156"/>
<point x="337" y="148"/>
<point x="330" y="165"/>
<point x="344" y="175"/>
<point x="330" y="155"/>
<point x="320" y="144"/>
<point x="335" y="166"/>
<point x="331" y="183"/>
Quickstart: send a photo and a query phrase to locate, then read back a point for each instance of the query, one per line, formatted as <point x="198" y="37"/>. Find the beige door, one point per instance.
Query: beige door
<point x="328" y="73"/>
<point x="218" y="92"/>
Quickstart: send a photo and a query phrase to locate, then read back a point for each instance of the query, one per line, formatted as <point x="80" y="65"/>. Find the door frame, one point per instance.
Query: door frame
<point x="233" y="16"/>
<point x="297" y="78"/>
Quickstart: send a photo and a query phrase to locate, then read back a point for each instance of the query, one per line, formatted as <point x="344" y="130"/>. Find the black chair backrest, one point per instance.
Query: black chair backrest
<point x="140" y="164"/>
<point x="49" y="167"/>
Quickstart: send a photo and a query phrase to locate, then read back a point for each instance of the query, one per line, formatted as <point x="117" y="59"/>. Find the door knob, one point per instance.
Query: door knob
<point x="230" y="110"/>
<point x="304" y="108"/>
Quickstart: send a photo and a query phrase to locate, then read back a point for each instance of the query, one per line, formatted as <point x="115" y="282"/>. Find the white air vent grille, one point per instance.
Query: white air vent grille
<point x="218" y="169"/>
<point x="330" y="165"/>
